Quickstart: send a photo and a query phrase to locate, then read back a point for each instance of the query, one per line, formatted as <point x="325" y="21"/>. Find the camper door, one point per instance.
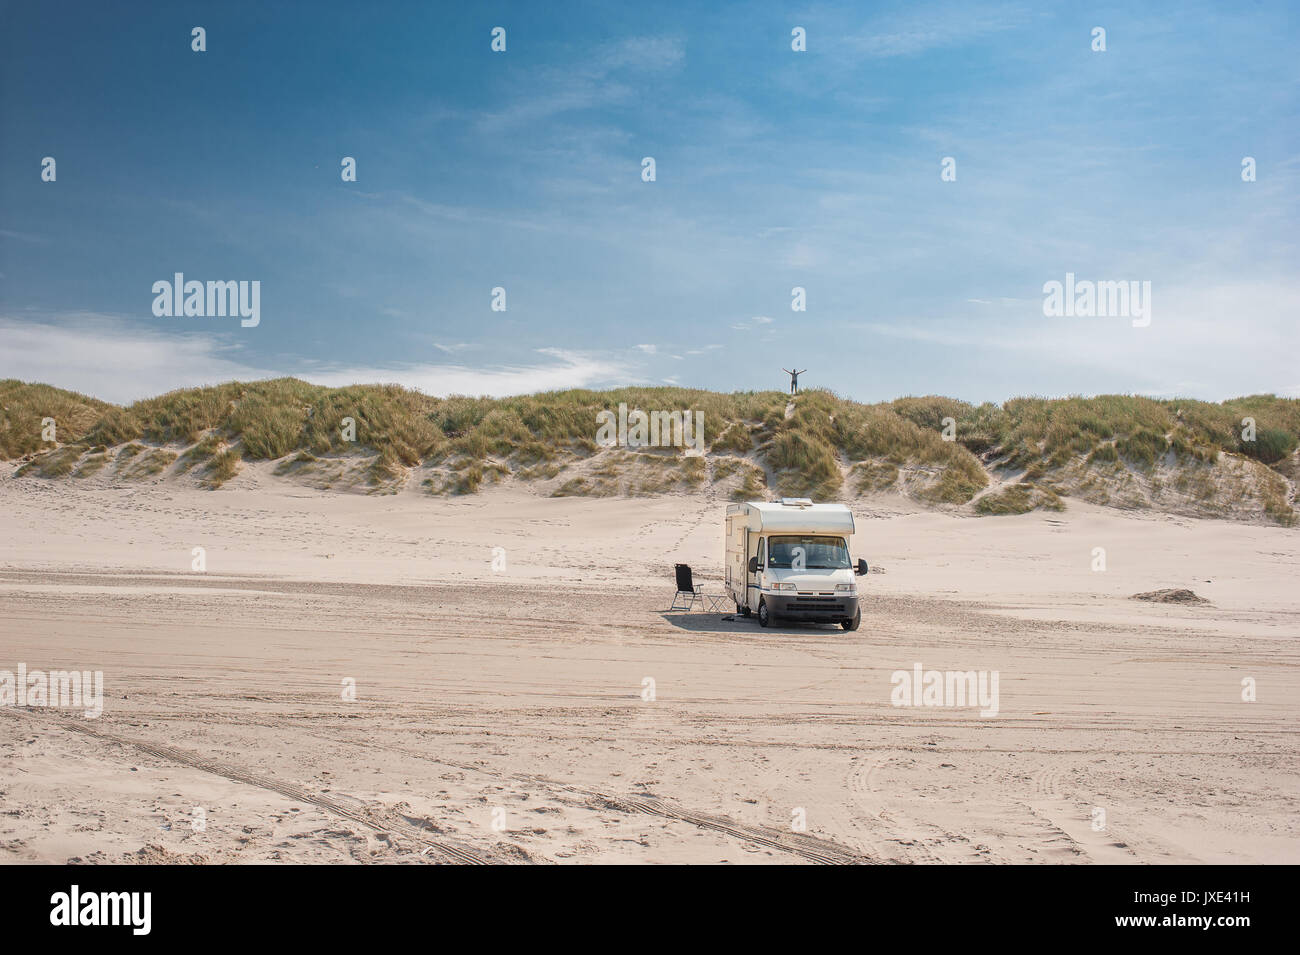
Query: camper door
<point x="757" y="548"/>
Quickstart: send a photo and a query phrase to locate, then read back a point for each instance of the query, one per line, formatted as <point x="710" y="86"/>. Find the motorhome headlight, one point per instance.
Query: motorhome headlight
<point x="847" y="588"/>
<point x="784" y="587"/>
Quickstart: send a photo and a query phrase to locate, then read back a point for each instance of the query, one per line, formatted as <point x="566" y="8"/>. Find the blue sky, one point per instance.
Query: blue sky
<point x="775" y="169"/>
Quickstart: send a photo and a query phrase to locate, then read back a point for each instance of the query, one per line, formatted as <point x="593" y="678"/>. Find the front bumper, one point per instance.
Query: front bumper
<point x="812" y="607"/>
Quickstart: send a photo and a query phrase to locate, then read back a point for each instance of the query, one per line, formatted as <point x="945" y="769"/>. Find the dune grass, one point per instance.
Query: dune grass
<point x="897" y="446"/>
<point x="53" y="463"/>
<point x="873" y="477"/>
<point x="91" y="464"/>
<point x="24" y="408"/>
<point x="136" y="462"/>
<point x="224" y="466"/>
<point x="1018" y="499"/>
<point x="753" y="485"/>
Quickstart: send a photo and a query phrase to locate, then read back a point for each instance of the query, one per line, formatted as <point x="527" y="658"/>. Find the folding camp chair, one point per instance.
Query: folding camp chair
<point x="688" y="592"/>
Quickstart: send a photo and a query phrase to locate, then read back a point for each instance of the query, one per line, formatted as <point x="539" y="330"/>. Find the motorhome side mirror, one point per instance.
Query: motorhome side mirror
<point x="753" y="565"/>
<point x="862" y="567"/>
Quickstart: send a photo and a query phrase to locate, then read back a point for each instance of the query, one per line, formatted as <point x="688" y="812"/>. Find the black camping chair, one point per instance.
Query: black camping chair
<point x="688" y="592"/>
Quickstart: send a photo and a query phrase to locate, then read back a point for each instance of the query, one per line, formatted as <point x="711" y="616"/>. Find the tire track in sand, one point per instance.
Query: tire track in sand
<point x="809" y="848"/>
<point x="864" y="788"/>
<point x="377" y="821"/>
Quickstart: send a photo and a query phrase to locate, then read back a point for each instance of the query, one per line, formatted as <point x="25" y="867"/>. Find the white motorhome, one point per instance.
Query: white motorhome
<point x="790" y="559"/>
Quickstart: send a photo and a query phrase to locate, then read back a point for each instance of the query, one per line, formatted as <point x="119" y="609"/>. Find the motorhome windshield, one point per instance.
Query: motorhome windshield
<point x="809" y="553"/>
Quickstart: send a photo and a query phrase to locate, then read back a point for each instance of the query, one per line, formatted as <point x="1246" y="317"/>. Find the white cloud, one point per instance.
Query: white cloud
<point x="949" y="26"/>
<point x="1205" y="341"/>
<point x="27" y="237"/>
<point x="756" y="322"/>
<point x="106" y="358"/>
<point x="550" y="92"/>
<point x="563" y="369"/>
<point x="649" y="53"/>
<point x="121" y="362"/>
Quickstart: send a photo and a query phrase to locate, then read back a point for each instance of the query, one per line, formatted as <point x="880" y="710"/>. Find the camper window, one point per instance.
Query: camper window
<point x="819" y="553"/>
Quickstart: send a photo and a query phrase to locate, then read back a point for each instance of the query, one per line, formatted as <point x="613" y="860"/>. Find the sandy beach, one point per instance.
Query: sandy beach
<point x="503" y="715"/>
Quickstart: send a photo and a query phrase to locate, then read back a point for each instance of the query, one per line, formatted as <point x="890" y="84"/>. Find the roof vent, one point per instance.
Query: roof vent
<point x="796" y="502"/>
